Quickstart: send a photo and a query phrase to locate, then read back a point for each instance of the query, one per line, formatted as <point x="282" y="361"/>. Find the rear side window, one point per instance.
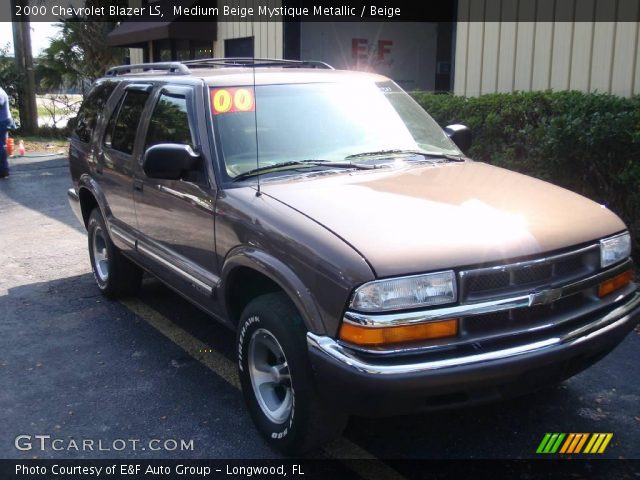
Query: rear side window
<point x="123" y="125"/>
<point x="169" y="121"/>
<point x="91" y="107"/>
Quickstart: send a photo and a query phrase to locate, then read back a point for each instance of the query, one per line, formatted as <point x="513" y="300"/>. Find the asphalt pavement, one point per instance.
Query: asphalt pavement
<point x="153" y="369"/>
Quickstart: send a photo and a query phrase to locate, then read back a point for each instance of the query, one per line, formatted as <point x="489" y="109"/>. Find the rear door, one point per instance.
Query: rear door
<point x="175" y="217"/>
<point x="114" y="168"/>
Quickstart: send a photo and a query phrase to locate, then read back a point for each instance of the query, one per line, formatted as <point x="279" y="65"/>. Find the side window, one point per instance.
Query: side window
<point x="123" y="124"/>
<point x="90" y="110"/>
<point x="108" y="134"/>
<point x="169" y="121"/>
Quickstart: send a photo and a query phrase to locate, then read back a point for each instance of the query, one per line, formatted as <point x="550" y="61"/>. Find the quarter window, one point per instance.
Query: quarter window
<point x="91" y="108"/>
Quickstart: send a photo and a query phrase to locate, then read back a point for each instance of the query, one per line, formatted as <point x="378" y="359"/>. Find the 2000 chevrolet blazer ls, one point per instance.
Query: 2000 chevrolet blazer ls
<point x="366" y="264"/>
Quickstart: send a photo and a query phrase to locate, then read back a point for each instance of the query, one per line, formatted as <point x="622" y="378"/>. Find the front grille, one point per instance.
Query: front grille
<point x="522" y="318"/>
<point x="488" y="282"/>
<point x="523" y="278"/>
<point x="531" y="275"/>
<point x="527" y="276"/>
<point x="574" y="264"/>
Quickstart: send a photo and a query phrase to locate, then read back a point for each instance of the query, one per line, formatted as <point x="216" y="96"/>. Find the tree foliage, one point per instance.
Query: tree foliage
<point x="79" y="53"/>
<point x="9" y="76"/>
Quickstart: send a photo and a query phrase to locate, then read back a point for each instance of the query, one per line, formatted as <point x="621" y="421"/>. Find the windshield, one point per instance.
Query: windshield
<point x="320" y="121"/>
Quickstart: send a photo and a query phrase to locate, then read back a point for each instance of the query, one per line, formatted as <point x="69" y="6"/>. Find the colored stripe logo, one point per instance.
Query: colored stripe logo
<point x="592" y="443"/>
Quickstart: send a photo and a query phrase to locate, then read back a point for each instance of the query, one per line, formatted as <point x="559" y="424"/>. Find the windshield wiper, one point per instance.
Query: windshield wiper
<point x="301" y="163"/>
<point x="390" y="153"/>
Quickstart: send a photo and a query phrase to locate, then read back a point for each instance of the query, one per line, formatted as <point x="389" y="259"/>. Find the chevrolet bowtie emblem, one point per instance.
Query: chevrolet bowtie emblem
<point x="545" y="296"/>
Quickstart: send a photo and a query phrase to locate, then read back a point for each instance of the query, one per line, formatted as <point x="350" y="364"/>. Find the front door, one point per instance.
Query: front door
<point x="175" y="217"/>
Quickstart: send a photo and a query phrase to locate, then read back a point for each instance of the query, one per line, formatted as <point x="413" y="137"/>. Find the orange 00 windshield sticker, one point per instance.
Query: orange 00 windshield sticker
<point x="228" y="100"/>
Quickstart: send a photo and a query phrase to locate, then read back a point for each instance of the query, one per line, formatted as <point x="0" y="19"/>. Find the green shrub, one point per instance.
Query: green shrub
<point x="589" y="143"/>
<point x="43" y="131"/>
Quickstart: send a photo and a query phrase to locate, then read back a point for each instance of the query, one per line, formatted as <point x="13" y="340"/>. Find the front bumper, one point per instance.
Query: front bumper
<point x="370" y="385"/>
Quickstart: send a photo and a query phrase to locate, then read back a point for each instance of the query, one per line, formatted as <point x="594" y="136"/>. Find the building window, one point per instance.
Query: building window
<point x="238" y="47"/>
<point x="171" y="50"/>
<point x="202" y="49"/>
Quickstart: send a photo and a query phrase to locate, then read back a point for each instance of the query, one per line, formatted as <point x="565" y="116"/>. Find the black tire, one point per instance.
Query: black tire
<point x="310" y="423"/>
<point x="122" y="277"/>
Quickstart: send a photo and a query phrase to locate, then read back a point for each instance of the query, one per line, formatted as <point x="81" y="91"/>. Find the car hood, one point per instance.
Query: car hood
<point x="430" y="217"/>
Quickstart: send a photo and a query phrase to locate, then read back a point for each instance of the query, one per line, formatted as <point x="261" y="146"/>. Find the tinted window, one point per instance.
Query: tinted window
<point x="123" y="125"/>
<point x="91" y="108"/>
<point x="169" y="121"/>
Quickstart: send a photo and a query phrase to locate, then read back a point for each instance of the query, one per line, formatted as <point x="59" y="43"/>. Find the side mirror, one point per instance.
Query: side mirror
<point x="170" y="161"/>
<point x="460" y="134"/>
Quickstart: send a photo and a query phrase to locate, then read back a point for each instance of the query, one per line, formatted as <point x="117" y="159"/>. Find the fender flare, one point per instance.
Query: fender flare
<point x="281" y="274"/>
<point x="88" y="183"/>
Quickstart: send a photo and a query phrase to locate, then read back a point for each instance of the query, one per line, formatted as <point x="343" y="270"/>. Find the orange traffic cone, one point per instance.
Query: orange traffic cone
<point x="21" y="149"/>
<point x="10" y="146"/>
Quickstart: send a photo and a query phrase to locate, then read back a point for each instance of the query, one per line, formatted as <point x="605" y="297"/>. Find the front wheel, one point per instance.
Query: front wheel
<point x="115" y="275"/>
<point x="277" y="379"/>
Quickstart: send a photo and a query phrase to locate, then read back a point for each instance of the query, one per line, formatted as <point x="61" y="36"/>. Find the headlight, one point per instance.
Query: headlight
<point x="406" y="292"/>
<point x="614" y="249"/>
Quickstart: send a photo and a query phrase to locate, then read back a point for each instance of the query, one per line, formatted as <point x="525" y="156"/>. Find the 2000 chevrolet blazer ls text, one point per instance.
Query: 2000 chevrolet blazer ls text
<point x="366" y="264"/>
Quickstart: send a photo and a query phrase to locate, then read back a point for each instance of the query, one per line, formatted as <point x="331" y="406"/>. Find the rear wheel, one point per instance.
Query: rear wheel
<point x="277" y="379"/>
<point x="115" y="274"/>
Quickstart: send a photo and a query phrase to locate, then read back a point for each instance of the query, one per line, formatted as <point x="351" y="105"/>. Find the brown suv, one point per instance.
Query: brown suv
<point x="366" y="264"/>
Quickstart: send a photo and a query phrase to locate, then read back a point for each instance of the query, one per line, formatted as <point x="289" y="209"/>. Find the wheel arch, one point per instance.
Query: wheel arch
<point x="265" y="273"/>
<point x="90" y="196"/>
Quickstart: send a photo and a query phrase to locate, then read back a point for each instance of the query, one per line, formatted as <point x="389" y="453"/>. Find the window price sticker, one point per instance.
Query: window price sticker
<point x="229" y="100"/>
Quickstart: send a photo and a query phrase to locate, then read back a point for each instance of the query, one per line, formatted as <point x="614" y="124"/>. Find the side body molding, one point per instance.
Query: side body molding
<point x="278" y="272"/>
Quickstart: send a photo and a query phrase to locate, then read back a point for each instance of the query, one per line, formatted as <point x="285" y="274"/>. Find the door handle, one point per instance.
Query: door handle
<point x="138" y="185"/>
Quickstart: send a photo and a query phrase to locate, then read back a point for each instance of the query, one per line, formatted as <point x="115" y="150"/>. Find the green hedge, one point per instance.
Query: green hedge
<point x="589" y="143"/>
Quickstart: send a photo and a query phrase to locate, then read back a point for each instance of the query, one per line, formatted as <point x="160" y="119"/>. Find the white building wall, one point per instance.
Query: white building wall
<point x="268" y="36"/>
<point x="136" y="55"/>
<point x="496" y="56"/>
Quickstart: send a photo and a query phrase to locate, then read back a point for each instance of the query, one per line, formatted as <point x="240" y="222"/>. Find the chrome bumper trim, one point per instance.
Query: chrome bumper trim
<point x="540" y="297"/>
<point x="74" y="202"/>
<point x="611" y="321"/>
<point x="73" y="195"/>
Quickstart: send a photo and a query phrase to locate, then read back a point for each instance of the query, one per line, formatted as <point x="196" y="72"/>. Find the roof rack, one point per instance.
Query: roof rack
<point x="171" y="67"/>
<point x="256" y="62"/>
<point x="182" y="68"/>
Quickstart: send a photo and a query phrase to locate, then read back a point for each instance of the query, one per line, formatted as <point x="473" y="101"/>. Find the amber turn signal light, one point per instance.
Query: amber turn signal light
<point x="615" y="283"/>
<point x="377" y="336"/>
